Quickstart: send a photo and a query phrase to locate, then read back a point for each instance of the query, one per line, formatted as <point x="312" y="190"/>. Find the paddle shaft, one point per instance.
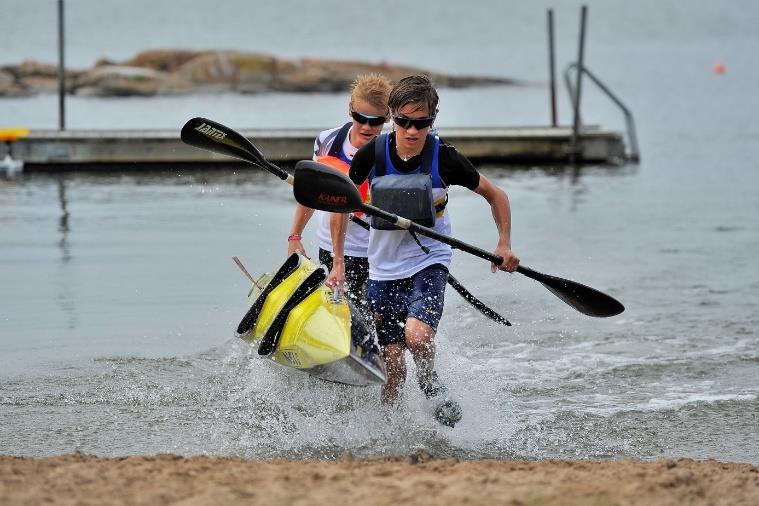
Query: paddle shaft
<point x="281" y="174"/>
<point x="267" y="165"/>
<point x="407" y="224"/>
<point x="456" y="285"/>
<point x="585" y="299"/>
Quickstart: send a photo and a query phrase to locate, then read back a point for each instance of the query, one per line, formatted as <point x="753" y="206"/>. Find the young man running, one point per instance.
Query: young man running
<point x="368" y="111"/>
<point x="407" y="274"/>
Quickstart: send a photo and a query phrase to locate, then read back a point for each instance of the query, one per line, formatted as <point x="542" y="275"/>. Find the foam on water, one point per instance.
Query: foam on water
<point x="677" y="402"/>
<point x="324" y="419"/>
<point x="227" y="401"/>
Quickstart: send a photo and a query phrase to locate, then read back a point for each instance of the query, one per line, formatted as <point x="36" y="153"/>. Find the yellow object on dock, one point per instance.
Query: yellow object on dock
<point x="12" y="134"/>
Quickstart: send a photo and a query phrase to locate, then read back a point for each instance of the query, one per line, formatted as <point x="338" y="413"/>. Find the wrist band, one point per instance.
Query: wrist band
<point x="293" y="237"/>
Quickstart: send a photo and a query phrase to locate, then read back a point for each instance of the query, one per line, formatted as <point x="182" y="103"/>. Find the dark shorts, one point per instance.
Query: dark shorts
<point x="421" y="296"/>
<point x="356" y="274"/>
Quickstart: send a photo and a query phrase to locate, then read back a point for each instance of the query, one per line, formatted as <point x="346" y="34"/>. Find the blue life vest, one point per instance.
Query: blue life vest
<point x="406" y="194"/>
<point x="336" y="149"/>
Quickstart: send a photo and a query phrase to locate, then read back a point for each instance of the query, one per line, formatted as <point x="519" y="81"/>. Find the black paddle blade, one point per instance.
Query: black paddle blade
<point x="321" y="187"/>
<point x="585" y="299"/>
<point x="212" y="136"/>
<point x="475" y="302"/>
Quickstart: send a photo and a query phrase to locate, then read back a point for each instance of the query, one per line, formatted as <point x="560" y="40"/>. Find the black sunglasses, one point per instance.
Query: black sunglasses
<point x="418" y="123"/>
<point x="368" y="118"/>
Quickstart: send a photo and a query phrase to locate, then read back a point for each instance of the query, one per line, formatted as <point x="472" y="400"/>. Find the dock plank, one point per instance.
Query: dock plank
<point x="45" y="149"/>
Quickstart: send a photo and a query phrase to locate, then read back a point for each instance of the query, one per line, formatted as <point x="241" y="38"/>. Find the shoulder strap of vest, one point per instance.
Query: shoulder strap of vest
<point x="381" y="143"/>
<point x="337" y="144"/>
<point x="379" y="155"/>
<point x="428" y="152"/>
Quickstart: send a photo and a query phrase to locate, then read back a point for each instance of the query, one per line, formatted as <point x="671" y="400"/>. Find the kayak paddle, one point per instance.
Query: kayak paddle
<point x="319" y="187"/>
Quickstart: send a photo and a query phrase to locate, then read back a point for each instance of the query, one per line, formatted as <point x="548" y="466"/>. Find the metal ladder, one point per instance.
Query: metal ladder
<point x="634" y="154"/>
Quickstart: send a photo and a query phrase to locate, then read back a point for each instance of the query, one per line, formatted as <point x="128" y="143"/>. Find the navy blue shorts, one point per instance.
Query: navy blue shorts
<point x="421" y="296"/>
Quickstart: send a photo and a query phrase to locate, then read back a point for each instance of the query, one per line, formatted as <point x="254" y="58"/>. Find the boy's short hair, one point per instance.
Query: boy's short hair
<point x="373" y="89"/>
<point x="412" y="90"/>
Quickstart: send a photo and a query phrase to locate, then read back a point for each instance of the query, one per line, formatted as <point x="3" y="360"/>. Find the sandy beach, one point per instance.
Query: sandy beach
<point x="416" y="479"/>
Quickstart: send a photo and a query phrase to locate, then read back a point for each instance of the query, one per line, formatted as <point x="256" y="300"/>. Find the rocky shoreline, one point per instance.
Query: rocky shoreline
<point x="173" y="72"/>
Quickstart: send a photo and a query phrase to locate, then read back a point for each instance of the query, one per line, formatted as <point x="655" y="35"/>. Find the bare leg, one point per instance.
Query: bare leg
<point x="420" y="342"/>
<point x="395" y="364"/>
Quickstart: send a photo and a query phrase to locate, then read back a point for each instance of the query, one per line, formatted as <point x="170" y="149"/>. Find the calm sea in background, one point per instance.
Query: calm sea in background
<point x="118" y="296"/>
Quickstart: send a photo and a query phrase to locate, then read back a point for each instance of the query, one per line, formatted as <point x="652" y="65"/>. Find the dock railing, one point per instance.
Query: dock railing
<point x="634" y="154"/>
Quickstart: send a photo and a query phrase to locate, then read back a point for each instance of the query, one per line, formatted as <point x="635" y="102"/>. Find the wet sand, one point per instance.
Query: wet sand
<point x="417" y="479"/>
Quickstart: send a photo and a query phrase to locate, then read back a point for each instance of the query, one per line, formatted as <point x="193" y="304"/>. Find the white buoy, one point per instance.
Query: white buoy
<point x="9" y="136"/>
<point x="11" y="166"/>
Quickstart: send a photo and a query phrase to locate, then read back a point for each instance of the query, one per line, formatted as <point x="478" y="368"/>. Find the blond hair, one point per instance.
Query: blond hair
<point x="373" y="89"/>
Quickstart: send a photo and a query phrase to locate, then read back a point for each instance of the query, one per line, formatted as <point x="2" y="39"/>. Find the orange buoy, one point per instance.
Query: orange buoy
<point x="719" y="68"/>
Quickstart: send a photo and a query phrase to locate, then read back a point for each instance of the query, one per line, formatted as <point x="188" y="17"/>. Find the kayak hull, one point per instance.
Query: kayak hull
<point x="300" y="325"/>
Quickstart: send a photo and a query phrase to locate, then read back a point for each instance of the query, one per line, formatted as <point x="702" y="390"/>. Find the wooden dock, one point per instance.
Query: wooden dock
<point x="103" y="149"/>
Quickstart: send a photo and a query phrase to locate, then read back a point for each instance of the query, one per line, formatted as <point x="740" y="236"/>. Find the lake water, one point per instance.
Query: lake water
<point x="118" y="296"/>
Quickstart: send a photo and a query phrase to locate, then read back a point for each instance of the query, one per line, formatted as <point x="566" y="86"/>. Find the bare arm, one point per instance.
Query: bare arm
<point x="300" y="220"/>
<point x="338" y="224"/>
<point x="499" y="206"/>
<point x="302" y="216"/>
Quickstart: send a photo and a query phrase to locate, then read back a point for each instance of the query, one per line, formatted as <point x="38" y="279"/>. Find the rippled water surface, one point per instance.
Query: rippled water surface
<point x="118" y="296"/>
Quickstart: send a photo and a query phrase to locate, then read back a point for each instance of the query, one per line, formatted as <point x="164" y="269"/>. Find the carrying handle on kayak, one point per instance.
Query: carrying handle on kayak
<point x="245" y="271"/>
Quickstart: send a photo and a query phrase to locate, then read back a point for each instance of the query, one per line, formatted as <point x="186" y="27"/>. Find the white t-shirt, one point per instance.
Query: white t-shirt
<point x="396" y="255"/>
<point x="356" y="238"/>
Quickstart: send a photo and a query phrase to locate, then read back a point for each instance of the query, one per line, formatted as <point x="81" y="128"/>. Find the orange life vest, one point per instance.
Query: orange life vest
<point x="340" y="165"/>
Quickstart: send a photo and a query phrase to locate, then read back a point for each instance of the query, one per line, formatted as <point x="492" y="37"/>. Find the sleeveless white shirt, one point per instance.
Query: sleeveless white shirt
<point x="394" y="254"/>
<point x="356" y="237"/>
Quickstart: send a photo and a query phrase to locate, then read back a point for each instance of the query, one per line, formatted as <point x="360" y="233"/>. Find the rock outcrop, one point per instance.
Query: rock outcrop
<point x="166" y="72"/>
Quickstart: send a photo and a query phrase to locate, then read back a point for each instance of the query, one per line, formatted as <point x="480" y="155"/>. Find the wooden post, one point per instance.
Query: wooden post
<point x="551" y="69"/>
<point x="573" y="155"/>
<point x="61" y="70"/>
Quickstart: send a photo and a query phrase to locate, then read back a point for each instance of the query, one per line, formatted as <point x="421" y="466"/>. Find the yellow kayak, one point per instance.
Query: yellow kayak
<point x="295" y="320"/>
